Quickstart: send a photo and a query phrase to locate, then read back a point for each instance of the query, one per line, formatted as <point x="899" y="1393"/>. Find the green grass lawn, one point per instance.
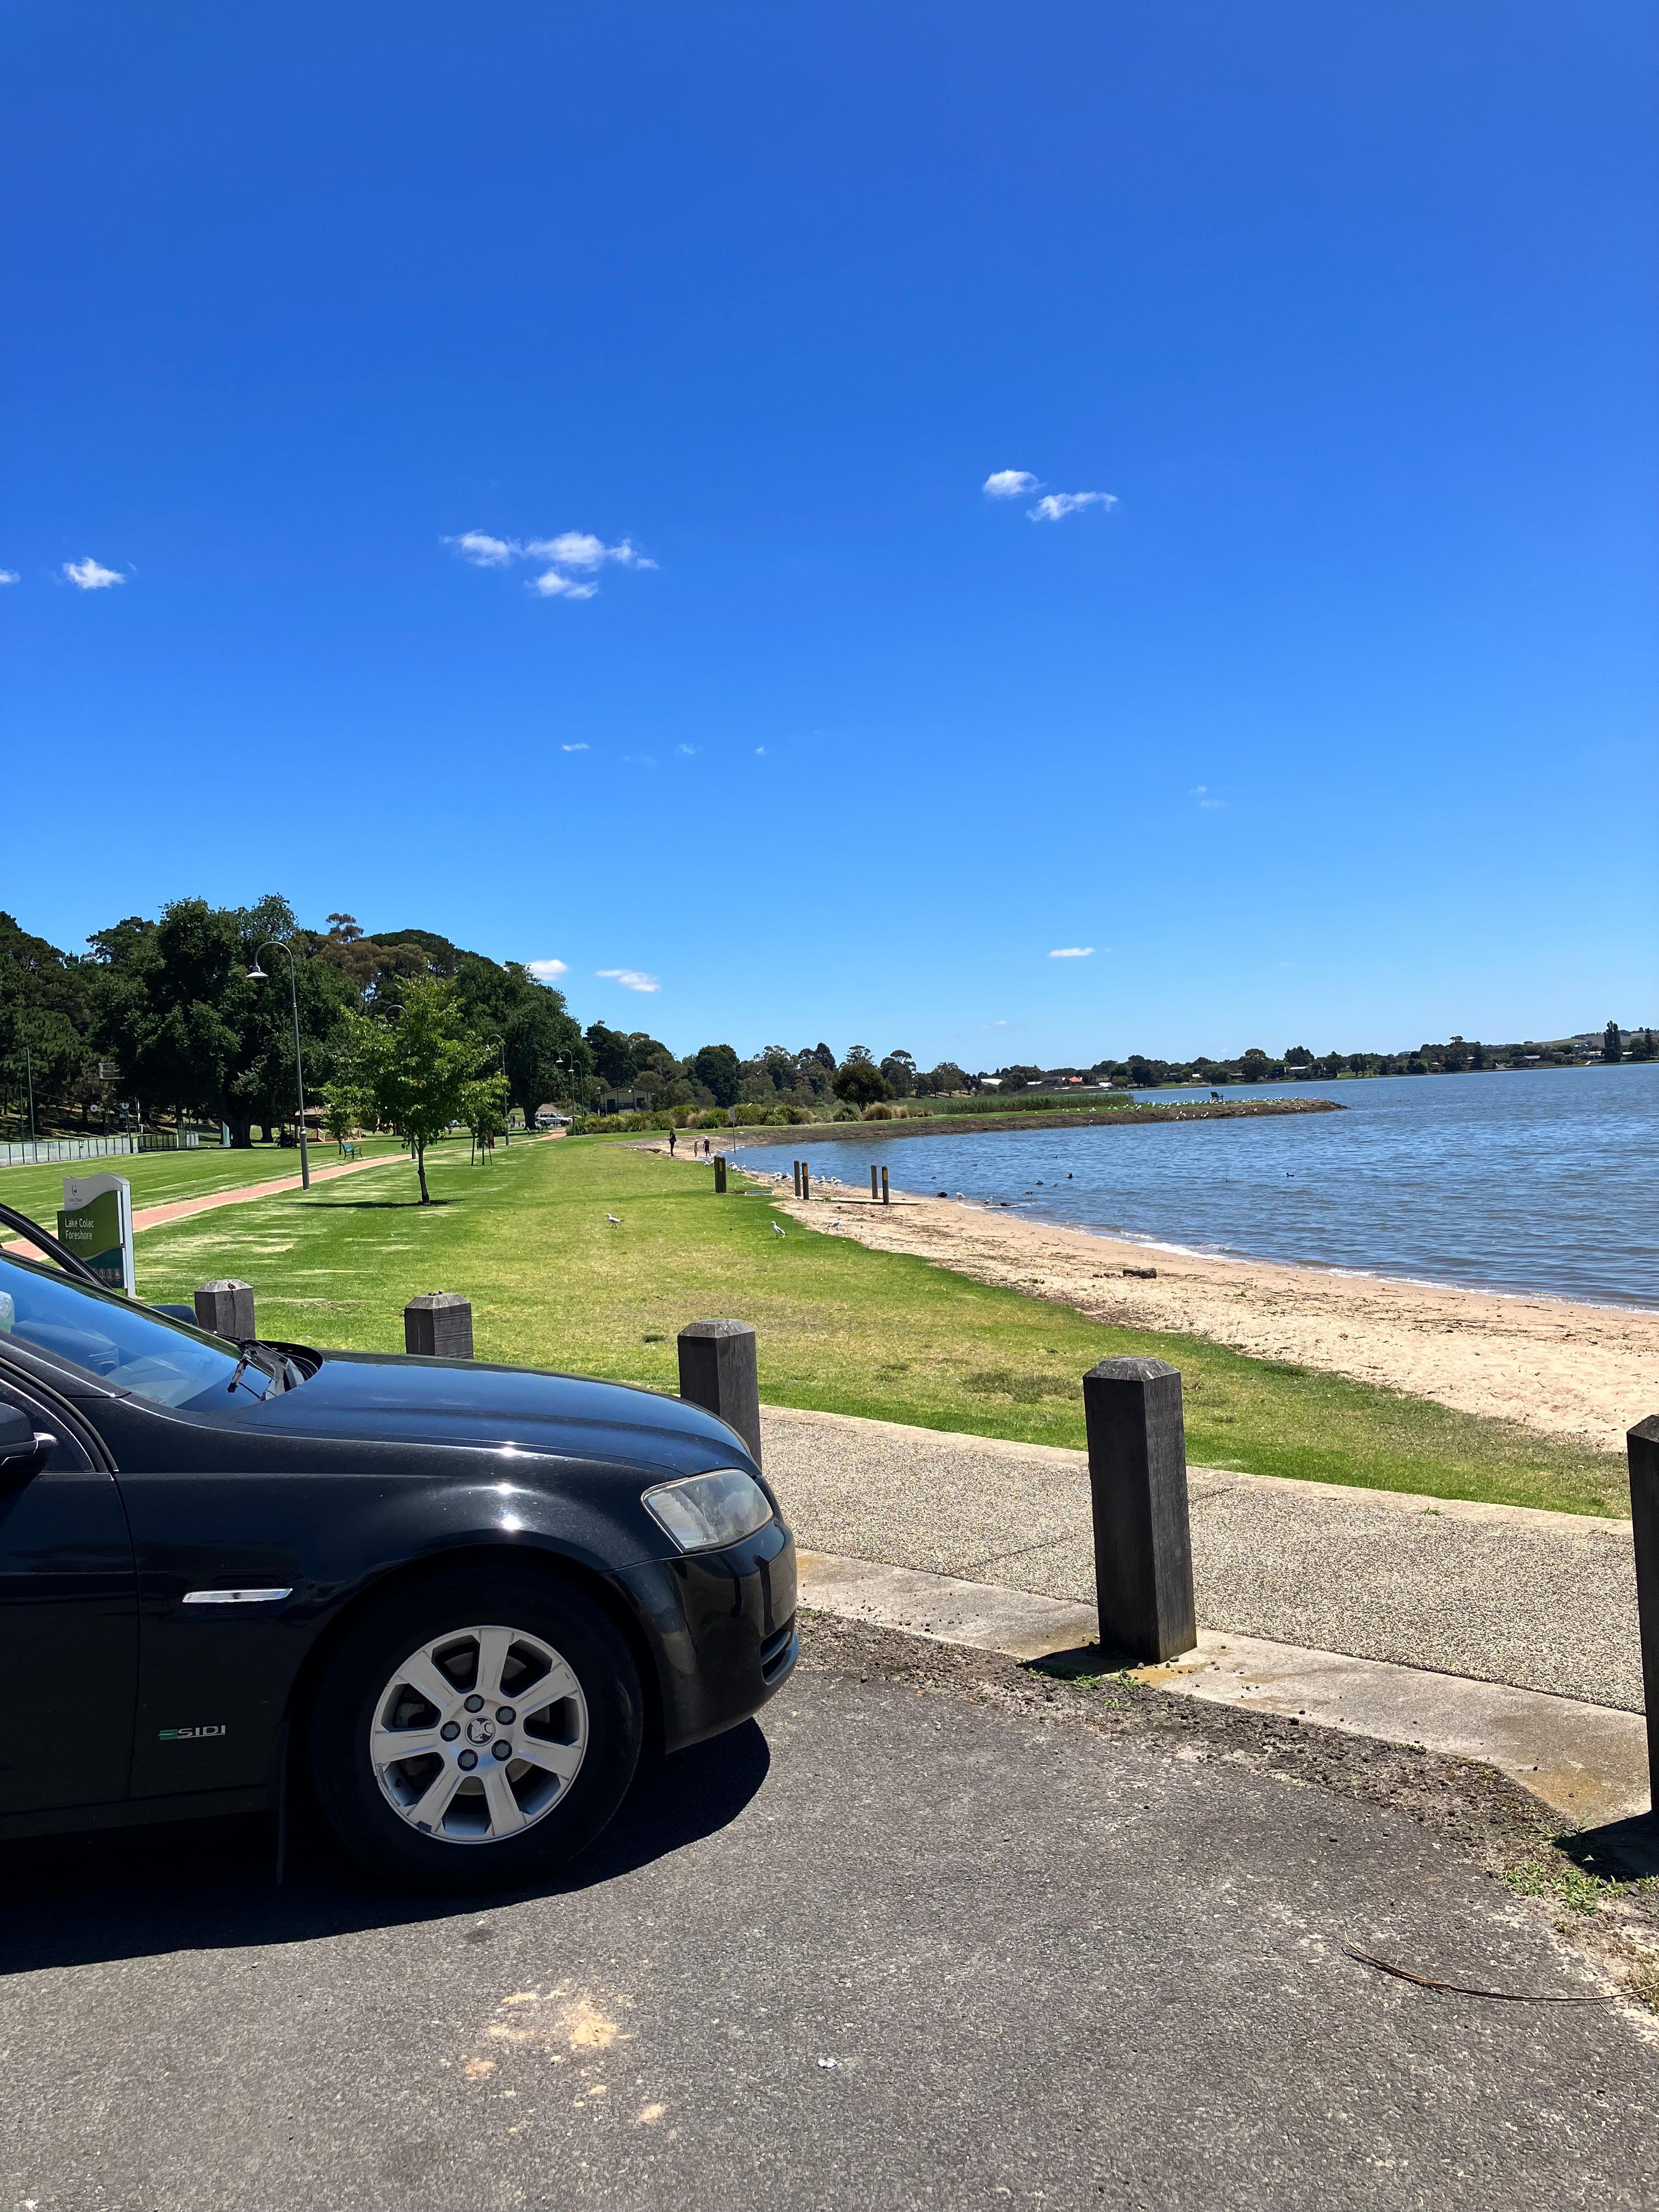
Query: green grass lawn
<point x="842" y="1329"/>
<point x="158" y="1178"/>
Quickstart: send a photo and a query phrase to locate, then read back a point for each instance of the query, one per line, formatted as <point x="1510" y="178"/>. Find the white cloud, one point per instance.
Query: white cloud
<point x="88" y="576"/>
<point x="631" y="979"/>
<point x="575" y="749"/>
<point x="483" y="551"/>
<point x="577" y="549"/>
<point x="1202" y="794"/>
<point x="548" y="971"/>
<point x="1072" y="952"/>
<point x="1058" y="504"/>
<point x="1011" y="483"/>
<point x="689" y="752"/>
<point x="552" y="585"/>
<point x="9" y="576"/>
<point x="759" y="749"/>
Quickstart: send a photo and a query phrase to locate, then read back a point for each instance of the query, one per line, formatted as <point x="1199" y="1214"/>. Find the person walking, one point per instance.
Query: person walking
<point x="671" y="1134"/>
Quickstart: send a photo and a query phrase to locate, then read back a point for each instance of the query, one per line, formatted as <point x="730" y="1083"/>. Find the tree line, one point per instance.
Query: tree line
<point x="160" y="1020"/>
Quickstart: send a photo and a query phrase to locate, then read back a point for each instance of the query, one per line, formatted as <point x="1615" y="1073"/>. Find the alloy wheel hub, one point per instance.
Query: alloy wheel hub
<point x="478" y="1733"/>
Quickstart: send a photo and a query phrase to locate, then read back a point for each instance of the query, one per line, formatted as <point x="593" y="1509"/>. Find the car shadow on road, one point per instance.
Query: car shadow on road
<point x="210" y="1885"/>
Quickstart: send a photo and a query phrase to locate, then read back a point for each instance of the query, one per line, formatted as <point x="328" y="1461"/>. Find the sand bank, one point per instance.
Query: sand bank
<point x="1586" y="1372"/>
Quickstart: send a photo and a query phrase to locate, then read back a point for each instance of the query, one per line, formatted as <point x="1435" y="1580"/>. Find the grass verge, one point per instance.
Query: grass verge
<point x="159" y="1178"/>
<point x="842" y="1329"/>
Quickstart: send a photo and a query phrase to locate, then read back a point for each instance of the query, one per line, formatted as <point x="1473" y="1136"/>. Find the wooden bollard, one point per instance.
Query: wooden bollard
<point x="720" y="1175"/>
<point x="1138" y="1479"/>
<point x="439" y="1326"/>
<point x="797" y="1167"/>
<point x="1642" y="1445"/>
<point x="875" y="1182"/>
<point x="885" y="1198"/>
<point x="720" y="1372"/>
<point x="226" y="1308"/>
<point x="805" y="1180"/>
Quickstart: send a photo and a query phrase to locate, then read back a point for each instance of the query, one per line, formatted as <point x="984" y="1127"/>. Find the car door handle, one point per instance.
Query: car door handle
<point x="21" y="1462"/>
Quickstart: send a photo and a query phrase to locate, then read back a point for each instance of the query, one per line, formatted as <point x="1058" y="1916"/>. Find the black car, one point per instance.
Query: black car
<point x="461" y="1598"/>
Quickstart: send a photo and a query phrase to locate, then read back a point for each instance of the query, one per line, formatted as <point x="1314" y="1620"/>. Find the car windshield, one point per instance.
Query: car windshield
<point x="123" y="1344"/>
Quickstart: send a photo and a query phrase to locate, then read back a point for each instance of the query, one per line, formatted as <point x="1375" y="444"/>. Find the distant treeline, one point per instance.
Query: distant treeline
<point x="158" y="1018"/>
<point x="1457" y="1056"/>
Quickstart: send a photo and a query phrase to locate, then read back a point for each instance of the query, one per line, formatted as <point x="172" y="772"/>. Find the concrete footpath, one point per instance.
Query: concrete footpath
<point x="1483" y="1631"/>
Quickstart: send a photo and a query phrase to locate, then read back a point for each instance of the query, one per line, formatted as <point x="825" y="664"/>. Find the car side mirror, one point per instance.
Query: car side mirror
<point x="24" y="1450"/>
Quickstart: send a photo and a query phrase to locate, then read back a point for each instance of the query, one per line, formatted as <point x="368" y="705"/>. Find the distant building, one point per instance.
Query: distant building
<point x="624" y="1102"/>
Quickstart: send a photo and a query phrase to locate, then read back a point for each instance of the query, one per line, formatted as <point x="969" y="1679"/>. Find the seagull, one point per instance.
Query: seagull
<point x="615" y="1219"/>
<point x="776" y="1231"/>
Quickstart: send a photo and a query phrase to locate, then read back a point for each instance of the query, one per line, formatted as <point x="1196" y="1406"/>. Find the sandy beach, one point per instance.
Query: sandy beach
<point x="1586" y="1372"/>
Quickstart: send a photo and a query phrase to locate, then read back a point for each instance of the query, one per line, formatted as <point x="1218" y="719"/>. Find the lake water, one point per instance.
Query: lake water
<point x="1544" y="1179"/>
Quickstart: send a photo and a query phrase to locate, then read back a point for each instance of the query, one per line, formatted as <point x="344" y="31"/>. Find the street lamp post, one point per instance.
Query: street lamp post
<point x="256" y="973"/>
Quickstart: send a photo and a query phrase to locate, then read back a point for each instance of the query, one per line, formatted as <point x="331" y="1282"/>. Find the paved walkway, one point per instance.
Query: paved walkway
<point x="180" y="1209"/>
<point x="1539" y="1601"/>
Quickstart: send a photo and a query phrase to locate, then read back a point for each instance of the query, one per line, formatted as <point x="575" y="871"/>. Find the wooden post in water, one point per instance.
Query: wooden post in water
<point x="885" y="1198"/>
<point x="1642" y="1444"/>
<point x="805" y="1180"/>
<point x="875" y="1185"/>
<point x="796" y="1165"/>
<point x="1143" y="1538"/>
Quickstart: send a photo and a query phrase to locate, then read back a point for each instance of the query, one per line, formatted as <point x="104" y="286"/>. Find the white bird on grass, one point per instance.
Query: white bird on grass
<point x="615" y="1219"/>
<point x="776" y="1231"/>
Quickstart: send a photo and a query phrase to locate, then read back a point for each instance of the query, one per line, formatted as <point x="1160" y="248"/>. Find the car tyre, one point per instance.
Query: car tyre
<point x="431" y="1644"/>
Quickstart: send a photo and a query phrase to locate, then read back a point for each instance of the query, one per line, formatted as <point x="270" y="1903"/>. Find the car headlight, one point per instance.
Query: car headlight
<point x="706" y="1513"/>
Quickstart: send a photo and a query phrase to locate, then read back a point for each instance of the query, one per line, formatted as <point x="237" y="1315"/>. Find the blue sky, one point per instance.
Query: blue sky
<point x="1330" y="721"/>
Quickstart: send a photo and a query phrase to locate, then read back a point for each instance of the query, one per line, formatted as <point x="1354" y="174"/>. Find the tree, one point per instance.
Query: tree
<point x="484" y="1109"/>
<point x="174" y="1021"/>
<point x="546" y="1057"/>
<point x="717" y="1068"/>
<point x="615" y="1062"/>
<point x="945" y="1078"/>
<point x="44" y="1017"/>
<point x="418" y="1068"/>
<point x="859" y="1082"/>
<point x="1611" y="1047"/>
<point x="900" y="1071"/>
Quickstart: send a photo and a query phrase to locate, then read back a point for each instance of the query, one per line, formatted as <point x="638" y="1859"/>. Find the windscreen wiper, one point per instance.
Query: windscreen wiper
<point x="251" y="1350"/>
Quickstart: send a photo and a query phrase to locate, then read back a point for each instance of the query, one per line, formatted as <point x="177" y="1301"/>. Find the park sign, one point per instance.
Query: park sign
<point x="96" y="1225"/>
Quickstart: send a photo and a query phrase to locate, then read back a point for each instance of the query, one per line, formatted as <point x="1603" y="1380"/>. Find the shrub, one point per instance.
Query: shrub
<point x="878" y="1110"/>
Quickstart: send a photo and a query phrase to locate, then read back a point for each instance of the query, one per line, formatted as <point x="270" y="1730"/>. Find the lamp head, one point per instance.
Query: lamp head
<point x="256" y="973"/>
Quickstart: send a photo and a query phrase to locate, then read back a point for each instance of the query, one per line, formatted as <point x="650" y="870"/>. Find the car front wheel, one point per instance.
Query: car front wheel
<point x="476" y="1730"/>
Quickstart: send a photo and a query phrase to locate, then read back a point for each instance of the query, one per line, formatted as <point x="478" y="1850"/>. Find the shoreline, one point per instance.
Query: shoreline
<point x="1559" y="1367"/>
<point x="955" y="1124"/>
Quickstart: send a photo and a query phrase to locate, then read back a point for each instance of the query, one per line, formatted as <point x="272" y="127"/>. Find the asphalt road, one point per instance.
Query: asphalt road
<point x="898" y="1948"/>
